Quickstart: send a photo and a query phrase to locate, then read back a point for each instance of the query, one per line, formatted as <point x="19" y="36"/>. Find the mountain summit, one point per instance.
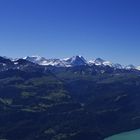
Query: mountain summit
<point x="75" y="61"/>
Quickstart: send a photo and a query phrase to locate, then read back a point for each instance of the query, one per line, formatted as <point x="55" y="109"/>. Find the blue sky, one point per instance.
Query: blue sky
<point x="109" y="29"/>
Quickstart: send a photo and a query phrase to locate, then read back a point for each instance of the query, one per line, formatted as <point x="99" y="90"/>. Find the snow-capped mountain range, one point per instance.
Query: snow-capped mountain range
<point x="76" y="61"/>
<point x="66" y="62"/>
<point x="6" y="63"/>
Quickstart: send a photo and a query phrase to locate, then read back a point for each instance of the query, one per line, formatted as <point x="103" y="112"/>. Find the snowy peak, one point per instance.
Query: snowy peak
<point x="117" y="66"/>
<point x="128" y="67"/>
<point x="54" y="62"/>
<point x="99" y="62"/>
<point x="75" y="61"/>
<point x="138" y="67"/>
<point x="43" y="61"/>
<point x="35" y="59"/>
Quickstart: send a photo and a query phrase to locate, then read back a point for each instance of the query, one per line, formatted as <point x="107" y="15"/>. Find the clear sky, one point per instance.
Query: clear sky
<point x="109" y="29"/>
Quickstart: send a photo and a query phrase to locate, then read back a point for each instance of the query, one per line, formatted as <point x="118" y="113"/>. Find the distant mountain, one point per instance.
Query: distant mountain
<point x="69" y="62"/>
<point x="36" y="61"/>
<point x="99" y="62"/>
<point x="128" y="67"/>
<point x="76" y="61"/>
<point x="138" y="67"/>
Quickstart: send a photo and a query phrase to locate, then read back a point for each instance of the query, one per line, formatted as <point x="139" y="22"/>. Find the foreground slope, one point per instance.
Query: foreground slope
<point x="58" y="103"/>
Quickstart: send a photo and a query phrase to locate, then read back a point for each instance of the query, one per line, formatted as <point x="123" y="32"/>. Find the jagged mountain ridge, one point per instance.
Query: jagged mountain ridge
<point x="76" y="61"/>
<point x="6" y="63"/>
